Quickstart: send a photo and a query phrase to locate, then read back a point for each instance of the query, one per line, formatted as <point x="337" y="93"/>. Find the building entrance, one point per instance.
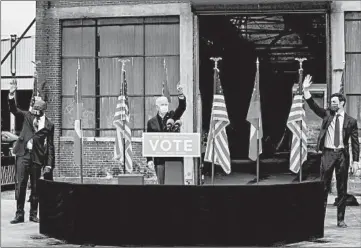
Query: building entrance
<point x="276" y="39"/>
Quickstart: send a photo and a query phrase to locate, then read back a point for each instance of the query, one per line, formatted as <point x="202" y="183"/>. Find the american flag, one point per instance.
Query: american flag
<point x="295" y="118"/>
<point x="219" y="122"/>
<point x="121" y="123"/>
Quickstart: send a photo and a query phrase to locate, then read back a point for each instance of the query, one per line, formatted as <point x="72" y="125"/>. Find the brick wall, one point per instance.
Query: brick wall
<point x="48" y="51"/>
<point x="97" y="159"/>
<point x="97" y="155"/>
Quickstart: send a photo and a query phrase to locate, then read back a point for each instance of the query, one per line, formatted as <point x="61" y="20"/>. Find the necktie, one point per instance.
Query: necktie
<point x="337" y="132"/>
<point x="36" y="124"/>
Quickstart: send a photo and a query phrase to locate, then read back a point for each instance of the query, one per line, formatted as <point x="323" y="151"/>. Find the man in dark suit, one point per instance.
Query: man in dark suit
<point x="159" y="124"/>
<point x="336" y="130"/>
<point x="34" y="149"/>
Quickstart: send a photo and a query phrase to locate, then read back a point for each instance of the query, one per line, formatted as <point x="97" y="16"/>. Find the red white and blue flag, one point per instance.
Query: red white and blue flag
<point x="217" y="130"/>
<point x="123" y="138"/>
<point x="299" y="133"/>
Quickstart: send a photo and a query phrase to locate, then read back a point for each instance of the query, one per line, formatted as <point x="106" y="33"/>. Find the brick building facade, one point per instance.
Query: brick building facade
<point x="98" y="151"/>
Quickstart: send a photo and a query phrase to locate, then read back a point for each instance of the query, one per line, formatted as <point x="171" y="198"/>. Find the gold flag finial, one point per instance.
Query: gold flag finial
<point x="216" y="59"/>
<point x="123" y="62"/>
<point x="300" y="60"/>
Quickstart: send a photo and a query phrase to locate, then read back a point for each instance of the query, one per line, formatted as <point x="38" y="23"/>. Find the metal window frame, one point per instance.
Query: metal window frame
<point x="96" y="57"/>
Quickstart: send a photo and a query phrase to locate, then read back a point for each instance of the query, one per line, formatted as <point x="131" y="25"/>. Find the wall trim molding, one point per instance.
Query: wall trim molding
<point x="123" y="10"/>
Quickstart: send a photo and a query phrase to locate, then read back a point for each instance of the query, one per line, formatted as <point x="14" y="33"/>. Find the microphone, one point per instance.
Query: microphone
<point x="177" y="125"/>
<point x="169" y="125"/>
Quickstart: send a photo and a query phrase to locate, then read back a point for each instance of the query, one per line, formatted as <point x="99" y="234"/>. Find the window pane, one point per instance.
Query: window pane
<point x="353" y="74"/>
<point x="136" y="106"/>
<point x="78" y="41"/>
<point x="88" y="115"/>
<point x="110" y="76"/>
<point x="86" y="76"/>
<point x="137" y="133"/>
<point x="354" y="109"/>
<point x="150" y="107"/>
<point x="353" y="15"/>
<point x="154" y="74"/>
<point x="107" y="111"/>
<point x="162" y="39"/>
<point x="352" y="30"/>
<point x="121" y="40"/>
<point x="313" y="121"/>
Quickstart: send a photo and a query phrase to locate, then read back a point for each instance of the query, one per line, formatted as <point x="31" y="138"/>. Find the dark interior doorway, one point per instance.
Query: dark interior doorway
<point x="23" y="102"/>
<point x="276" y="40"/>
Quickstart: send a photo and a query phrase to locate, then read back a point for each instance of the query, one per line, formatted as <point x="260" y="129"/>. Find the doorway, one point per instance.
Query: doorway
<point x="276" y="39"/>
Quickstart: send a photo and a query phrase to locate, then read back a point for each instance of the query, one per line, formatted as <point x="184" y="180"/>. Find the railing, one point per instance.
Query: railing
<point x="7" y="165"/>
<point x="7" y="170"/>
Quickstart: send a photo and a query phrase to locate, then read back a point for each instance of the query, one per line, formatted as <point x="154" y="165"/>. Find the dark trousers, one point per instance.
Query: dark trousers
<point x="25" y="168"/>
<point x="49" y="176"/>
<point x="160" y="172"/>
<point x="339" y="161"/>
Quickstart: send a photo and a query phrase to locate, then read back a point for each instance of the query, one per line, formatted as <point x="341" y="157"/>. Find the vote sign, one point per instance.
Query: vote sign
<point x="171" y="145"/>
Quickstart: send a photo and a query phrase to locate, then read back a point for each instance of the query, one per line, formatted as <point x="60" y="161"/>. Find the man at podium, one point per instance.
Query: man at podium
<point x="165" y="121"/>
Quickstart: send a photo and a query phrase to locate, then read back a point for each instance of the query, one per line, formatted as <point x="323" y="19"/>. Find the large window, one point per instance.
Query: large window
<point x="353" y="65"/>
<point x="148" y="43"/>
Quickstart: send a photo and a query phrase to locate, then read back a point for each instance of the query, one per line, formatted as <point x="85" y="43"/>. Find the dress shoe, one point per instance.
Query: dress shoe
<point x="34" y="219"/>
<point x="341" y="224"/>
<point x="17" y="219"/>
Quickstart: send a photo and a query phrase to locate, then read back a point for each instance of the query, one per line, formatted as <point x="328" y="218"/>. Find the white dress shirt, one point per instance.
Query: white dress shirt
<point x="330" y="135"/>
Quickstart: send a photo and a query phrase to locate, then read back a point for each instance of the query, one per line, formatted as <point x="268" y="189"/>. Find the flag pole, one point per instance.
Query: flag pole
<point x="258" y="127"/>
<point x="342" y="86"/>
<point x="81" y="136"/>
<point x="35" y="85"/>
<point x="122" y="85"/>
<point x="214" y="125"/>
<point x="300" y="73"/>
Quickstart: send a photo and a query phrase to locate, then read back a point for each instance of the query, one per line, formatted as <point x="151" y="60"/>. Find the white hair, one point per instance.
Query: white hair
<point x="161" y="100"/>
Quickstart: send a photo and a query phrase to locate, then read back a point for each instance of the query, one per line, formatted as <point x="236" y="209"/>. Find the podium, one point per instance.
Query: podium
<point x="171" y="148"/>
<point x="174" y="172"/>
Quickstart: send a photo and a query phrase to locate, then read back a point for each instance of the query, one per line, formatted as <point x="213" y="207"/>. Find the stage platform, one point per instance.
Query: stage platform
<point x="220" y="215"/>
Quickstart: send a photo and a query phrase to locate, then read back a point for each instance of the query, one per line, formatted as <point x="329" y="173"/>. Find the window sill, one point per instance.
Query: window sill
<point x="97" y="139"/>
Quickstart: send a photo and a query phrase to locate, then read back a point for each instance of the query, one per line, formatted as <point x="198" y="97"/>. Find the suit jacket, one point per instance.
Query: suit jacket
<point x="42" y="154"/>
<point x="350" y="129"/>
<point x="154" y="126"/>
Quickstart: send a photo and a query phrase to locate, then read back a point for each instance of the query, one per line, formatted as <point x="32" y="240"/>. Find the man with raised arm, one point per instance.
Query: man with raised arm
<point x="34" y="150"/>
<point x="336" y="130"/>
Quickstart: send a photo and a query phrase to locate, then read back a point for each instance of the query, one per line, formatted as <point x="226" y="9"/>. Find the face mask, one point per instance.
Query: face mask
<point x="37" y="113"/>
<point x="163" y="109"/>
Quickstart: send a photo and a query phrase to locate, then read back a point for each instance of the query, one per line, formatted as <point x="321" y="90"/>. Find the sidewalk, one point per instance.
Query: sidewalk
<point x="27" y="234"/>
